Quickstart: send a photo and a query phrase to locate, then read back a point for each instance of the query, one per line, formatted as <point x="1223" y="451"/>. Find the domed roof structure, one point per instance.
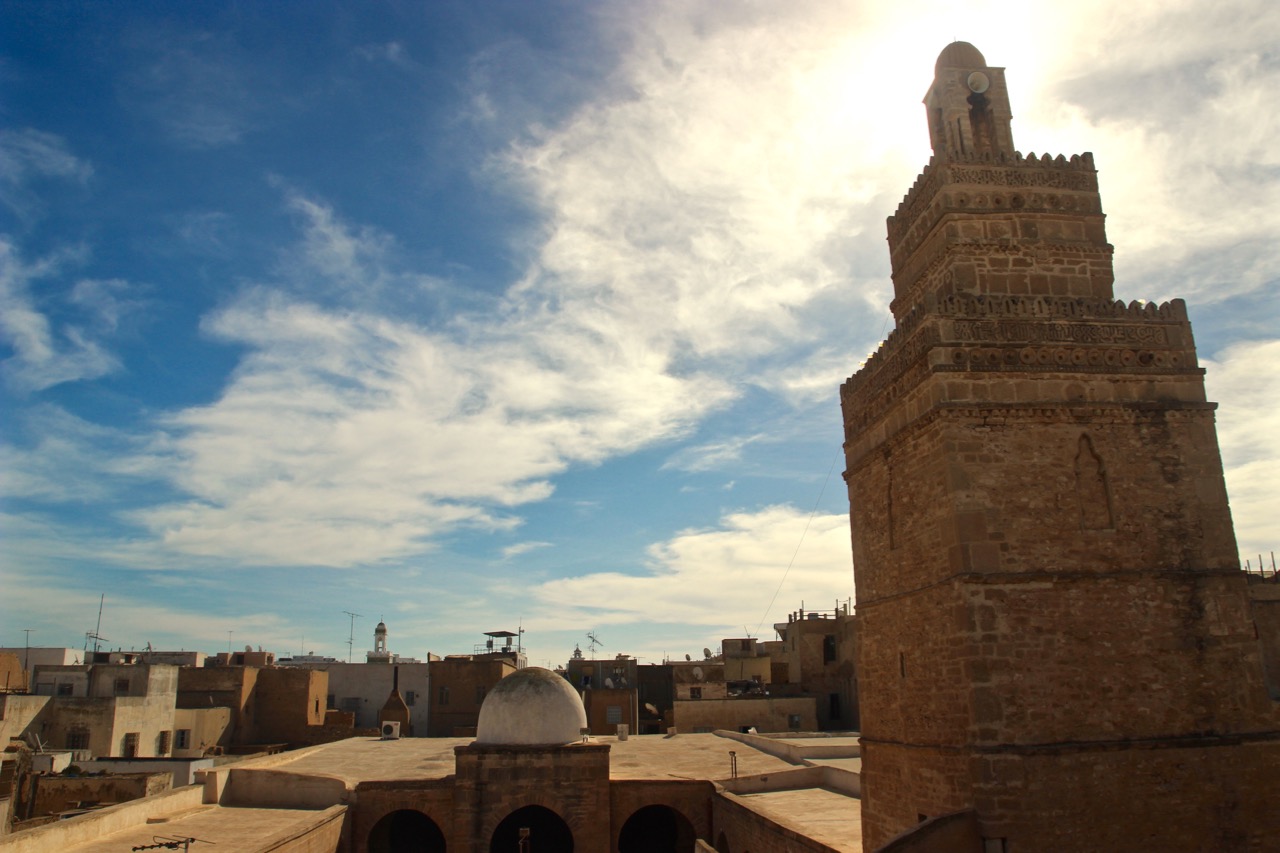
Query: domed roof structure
<point x="959" y="54"/>
<point x="531" y="707"/>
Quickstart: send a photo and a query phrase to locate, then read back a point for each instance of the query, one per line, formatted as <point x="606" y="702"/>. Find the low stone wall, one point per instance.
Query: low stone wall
<point x="745" y="829"/>
<point x="786" y="746"/>
<point x="280" y="789"/>
<point x="819" y="776"/>
<point x="90" y="827"/>
<point x="55" y="794"/>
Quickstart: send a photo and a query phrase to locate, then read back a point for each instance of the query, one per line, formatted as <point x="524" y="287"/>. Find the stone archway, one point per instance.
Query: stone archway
<point x="656" y="829"/>
<point x="406" y="831"/>
<point x="547" y="832"/>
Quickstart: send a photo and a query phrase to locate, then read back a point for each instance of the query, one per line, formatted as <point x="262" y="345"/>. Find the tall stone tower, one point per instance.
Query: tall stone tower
<point x="1054" y="632"/>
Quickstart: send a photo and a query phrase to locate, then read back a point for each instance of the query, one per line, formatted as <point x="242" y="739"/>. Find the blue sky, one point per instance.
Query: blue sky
<point x="483" y="314"/>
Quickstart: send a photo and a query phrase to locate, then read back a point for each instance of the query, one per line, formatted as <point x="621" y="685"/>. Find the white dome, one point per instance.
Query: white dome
<point x="531" y="707"/>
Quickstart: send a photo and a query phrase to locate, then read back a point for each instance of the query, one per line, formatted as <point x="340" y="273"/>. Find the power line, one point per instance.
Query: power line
<point x="803" y="533"/>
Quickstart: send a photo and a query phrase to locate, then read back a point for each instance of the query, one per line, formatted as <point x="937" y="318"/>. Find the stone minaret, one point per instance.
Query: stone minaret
<point x="1054" y="631"/>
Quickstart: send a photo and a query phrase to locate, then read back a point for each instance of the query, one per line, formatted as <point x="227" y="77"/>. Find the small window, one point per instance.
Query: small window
<point x="78" y="739"/>
<point x="695" y="692"/>
<point x="65" y="688"/>
<point x="162" y="743"/>
<point x="129" y="745"/>
<point x="409" y="698"/>
<point x="182" y="740"/>
<point x="479" y="693"/>
<point x="586" y="681"/>
<point x="613" y="714"/>
<point x="317" y="706"/>
<point x="122" y="686"/>
<point x="443" y="696"/>
<point x="829" y="648"/>
<point x="793" y="722"/>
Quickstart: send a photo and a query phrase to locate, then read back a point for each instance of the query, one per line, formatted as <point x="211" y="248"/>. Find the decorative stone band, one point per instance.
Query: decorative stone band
<point x="1039" y="330"/>
<point x="1072" y="358"/>
<point x="861" y="448"/>
<point x="1084" y="362"/>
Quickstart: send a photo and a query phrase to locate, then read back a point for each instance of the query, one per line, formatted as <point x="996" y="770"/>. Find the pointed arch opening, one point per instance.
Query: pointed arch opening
<point x="406" y="831"/>
<point x="539" y="827"/>
<point x="656" y="829"/>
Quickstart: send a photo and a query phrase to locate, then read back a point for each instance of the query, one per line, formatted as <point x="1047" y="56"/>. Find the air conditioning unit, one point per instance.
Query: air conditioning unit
<point x="391" y="730"/>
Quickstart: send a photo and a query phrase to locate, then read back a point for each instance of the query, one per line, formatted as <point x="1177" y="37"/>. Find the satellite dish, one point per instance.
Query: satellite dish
<point x="651" y="708"/>
<point x="706" y="653"/>
<point x="697" y="673"/>
<point x="687" y="657"/>
<point x="608" y="682"/>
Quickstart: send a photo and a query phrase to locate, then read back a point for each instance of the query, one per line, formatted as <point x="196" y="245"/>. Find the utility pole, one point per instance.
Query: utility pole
<point x="351" y="638"/>
<point x="26" y="656"/>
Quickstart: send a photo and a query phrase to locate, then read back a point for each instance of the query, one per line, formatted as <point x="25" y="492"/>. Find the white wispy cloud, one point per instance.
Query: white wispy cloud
<point x="45" y="352"/>
<point x="711" y="456"/>
<point x="27" y="155"/>
<point x="201" y="88"/>
<point x="1244" y="380"/>
<point x="760" y="563"/>
<point x="348" y="438"/>
<point x="522" y="548"/>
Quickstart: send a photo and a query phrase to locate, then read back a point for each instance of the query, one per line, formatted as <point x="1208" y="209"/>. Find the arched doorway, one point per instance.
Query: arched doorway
<point x="406" y="831"/>
<point x="656" y="829"/>
<point x="545" y="830"/>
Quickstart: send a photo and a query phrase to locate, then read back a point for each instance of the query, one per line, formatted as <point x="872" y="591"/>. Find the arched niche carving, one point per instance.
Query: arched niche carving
<point x="1093" y="490"/>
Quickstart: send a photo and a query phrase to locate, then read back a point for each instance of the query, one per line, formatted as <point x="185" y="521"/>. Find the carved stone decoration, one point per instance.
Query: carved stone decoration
<point x="1092" y="488"/>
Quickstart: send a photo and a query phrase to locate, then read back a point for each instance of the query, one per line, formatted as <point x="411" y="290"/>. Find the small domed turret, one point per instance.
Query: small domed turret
<point x="531" y="707"/>
<point x="959" y="54"/>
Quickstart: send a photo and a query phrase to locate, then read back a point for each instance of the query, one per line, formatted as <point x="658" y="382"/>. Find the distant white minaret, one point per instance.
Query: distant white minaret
<point x="379" y="653"/>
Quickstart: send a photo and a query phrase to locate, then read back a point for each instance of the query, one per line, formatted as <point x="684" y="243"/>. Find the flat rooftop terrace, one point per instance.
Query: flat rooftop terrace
<point x="684" y="756"/>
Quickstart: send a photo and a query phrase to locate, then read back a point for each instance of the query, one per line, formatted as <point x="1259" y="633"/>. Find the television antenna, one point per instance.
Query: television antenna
<point x="594" y="641"/>
<point x="351" y="638"/>
<point x="96" y="634"/>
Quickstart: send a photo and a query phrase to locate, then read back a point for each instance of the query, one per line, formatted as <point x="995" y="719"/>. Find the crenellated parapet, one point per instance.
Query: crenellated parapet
<point x="1030" y="170"/>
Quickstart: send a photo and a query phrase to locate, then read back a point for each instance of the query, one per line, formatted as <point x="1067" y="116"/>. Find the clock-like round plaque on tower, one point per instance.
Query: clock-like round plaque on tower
<point x="978" y="82"/>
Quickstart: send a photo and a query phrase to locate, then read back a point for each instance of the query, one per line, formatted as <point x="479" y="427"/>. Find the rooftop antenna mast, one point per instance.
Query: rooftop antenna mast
<point x="594" y="641"/>
<point x="96" y="636"/>
<point x="351" y="638"/>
